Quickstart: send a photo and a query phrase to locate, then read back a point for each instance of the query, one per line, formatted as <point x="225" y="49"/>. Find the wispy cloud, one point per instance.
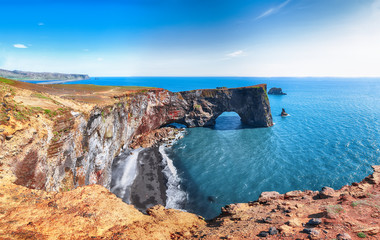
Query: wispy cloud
<point x="18" y="45"/>
<point x="100" y="59"/>
<point x="235" y="54"/>
<point x="41" y="24"/>
<point x="273" y="10"/>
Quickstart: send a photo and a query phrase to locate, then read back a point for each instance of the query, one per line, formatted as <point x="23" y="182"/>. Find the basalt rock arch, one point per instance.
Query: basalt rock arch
<point x="198" y="108"/>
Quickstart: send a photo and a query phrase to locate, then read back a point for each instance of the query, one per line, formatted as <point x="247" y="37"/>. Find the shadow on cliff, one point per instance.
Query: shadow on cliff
<point x="229" y="121"/>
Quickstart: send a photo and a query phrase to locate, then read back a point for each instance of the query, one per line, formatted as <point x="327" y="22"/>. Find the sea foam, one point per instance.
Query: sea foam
<point x="176" y="197"/>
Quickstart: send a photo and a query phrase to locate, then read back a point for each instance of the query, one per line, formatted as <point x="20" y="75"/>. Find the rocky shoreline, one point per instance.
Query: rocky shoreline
<point x="57" y="148"/>
<point x="92" y="212"/>
<point x="150" y="185"/>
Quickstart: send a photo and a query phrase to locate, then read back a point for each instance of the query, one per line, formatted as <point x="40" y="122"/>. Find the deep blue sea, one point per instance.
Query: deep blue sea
<point x="331" y="138"/>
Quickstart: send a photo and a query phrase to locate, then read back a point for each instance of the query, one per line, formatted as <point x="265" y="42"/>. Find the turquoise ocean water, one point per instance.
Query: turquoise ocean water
<point x="331" y="138"/>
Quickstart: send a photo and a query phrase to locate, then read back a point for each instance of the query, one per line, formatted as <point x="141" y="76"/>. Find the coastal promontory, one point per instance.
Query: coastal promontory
<point x="58" y="143"/>
<point x="40" y="76"/>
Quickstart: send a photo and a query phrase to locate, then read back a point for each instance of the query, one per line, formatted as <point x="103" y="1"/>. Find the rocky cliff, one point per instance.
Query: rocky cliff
<point x="59" y="138"/>
<point x="23" y="75"/>
<point x="56" y="140"/>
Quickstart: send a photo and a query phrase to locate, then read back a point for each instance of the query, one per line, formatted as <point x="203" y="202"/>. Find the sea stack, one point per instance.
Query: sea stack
<point x="283" y="113"/>
<point x="276" y="91"/>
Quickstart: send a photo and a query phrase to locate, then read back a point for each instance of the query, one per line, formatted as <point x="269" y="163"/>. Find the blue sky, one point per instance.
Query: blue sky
<point x="192" y="37"/>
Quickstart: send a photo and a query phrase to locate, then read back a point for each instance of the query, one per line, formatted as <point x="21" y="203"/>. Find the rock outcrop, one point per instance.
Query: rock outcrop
<point x="205" y="105"/>
<point x="276" y="91"/>
<point x="283" y="113"/>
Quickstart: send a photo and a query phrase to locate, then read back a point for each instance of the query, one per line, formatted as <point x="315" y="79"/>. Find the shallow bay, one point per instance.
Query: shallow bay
<point x="331" y="138"/>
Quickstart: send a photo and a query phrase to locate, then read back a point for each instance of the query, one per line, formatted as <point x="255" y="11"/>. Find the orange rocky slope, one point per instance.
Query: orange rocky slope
<point x="92" y="212"/>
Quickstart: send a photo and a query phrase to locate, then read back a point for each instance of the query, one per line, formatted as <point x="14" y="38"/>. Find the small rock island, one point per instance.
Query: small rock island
<point x="283" y="113"/>
<point x="276" y="91"/>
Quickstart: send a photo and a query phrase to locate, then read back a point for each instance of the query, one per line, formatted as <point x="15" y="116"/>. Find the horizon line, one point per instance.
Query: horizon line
<point x="225" y="76"/>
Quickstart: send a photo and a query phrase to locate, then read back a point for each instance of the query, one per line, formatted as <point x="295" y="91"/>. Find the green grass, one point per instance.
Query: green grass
<point x="364" y="203"/>
<point x="39" y="95"/>
<point x="7" y="81"/>
<point x="20" y="116"/>
<point x="196" y="106"/>
<point x="3" y="117"/>
<point x="354" y="204"/>
<point x="36" y="109"/>
<point x="335" y="209"/>
<point x="50" y="113"/>
<point x="57" y="136"/>
<point x="362" y="235"/>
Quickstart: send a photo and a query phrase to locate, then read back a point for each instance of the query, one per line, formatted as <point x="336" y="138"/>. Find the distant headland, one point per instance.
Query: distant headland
<point x="40" y="76"/>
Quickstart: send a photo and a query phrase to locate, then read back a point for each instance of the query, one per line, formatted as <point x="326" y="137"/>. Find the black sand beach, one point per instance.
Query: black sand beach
<point x="149" y="187"/>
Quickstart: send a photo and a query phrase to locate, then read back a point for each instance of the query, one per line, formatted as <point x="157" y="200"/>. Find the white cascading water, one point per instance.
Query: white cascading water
<point x="125" y="174"/>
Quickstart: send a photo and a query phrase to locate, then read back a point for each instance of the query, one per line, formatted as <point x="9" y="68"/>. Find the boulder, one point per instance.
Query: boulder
<point x="263" y="234"/>
<point x="327" y="192"/>
<point x="293" y="194"/>
<point x="295" y="222"/>
<point x="343" y="236"/>
<point x="273" y="231"/>
<point x="268" y="196"/>
<point x="311" y="231"/>
<point x="286" y="230"/>
<point x="315" y="221"/>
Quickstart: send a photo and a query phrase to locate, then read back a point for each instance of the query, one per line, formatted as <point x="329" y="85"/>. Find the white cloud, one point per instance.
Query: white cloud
<point x="18" y="45"/>
<point x="100" y="59"/>
<point x="41" y="24"/>
<point x="235" y="54"/>
<point x="273" y="10"/>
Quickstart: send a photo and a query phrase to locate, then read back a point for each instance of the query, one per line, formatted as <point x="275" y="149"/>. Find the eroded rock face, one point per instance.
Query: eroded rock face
<point x="204" y="106"/>
<point x="76" y="148"/>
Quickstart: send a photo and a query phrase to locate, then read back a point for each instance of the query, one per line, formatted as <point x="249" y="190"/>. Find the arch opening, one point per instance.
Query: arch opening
<point x="228" y="120"/>
<point x="175" y="125"/>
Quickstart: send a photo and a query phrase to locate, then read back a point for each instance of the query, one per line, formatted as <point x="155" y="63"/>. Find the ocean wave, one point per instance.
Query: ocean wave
<point x="176" y="197"/>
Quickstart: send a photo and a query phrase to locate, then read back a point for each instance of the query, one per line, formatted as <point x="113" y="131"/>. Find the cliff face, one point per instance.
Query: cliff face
<point x="77" y="145"/>
<point x="23" y="75"/>
<point x="48" y="141"/>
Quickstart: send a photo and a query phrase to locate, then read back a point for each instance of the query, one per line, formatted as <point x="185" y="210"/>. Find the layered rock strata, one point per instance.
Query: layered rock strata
<point x="60" y="144"/>
<point x="48" y="141"/>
